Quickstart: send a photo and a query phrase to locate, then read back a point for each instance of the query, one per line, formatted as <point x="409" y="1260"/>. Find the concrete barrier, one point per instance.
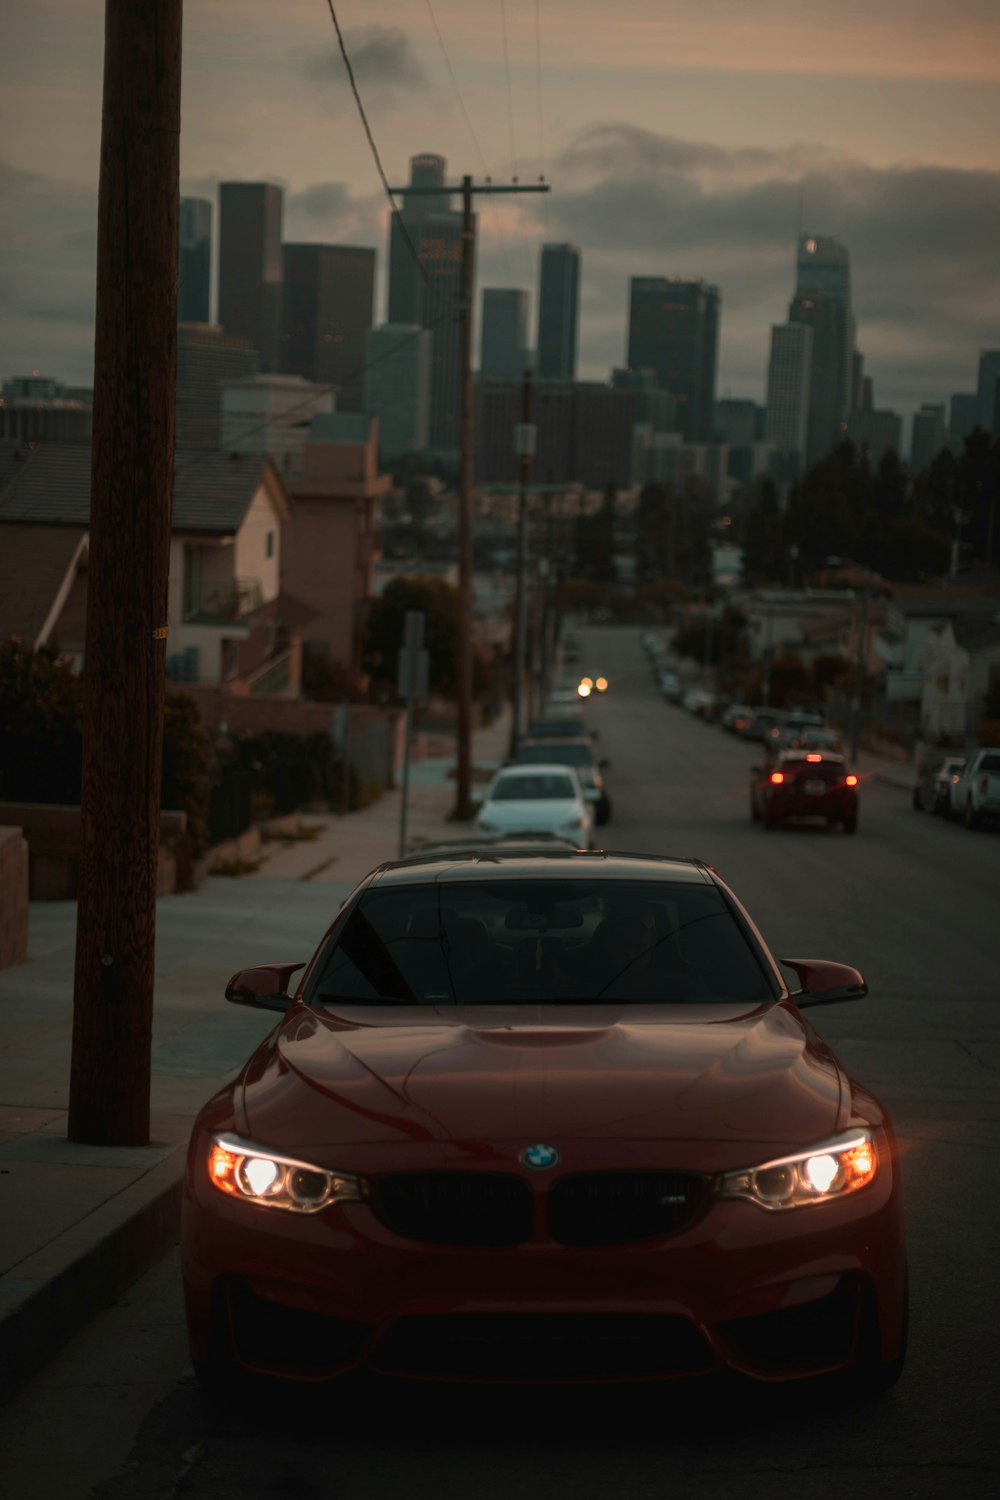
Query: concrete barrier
<point x="52" y="832"/>
<point x="13" y="897"/>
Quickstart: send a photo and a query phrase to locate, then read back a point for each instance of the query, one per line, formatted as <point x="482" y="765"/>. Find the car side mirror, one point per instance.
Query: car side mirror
<point x="604" y="763"/>
<point x="263" y="988"/>
<point x="825" y="983"/>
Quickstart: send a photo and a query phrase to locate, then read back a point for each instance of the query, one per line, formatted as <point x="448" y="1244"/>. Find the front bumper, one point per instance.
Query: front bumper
<point x="773" y="1296"/>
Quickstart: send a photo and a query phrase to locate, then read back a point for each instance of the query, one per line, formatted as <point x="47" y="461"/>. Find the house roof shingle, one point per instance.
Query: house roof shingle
<point x="34" y="566"/>
<point x="50" y="485"/>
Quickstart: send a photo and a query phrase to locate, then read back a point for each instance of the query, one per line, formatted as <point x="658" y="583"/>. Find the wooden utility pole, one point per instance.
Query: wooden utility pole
<point x="466" y="551"/>
<point x="135" y="362"/>
<point x="524" y="447"/>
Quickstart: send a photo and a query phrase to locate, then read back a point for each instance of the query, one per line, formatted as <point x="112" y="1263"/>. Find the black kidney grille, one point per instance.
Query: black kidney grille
<point x="455" y="1208"/>
<point x="614" y="1208"/>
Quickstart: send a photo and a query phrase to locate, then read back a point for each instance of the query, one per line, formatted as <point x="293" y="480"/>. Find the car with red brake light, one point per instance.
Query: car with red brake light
<point x="804" y="784"/>
<point x="544" y="1116"/>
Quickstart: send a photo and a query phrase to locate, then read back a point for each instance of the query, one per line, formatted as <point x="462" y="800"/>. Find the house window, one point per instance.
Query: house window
<point x="269" y="635"/>
<point x="270" y="544"/>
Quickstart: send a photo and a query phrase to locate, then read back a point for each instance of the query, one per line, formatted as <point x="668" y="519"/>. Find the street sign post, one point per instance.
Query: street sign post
<point x="413" y="687"/>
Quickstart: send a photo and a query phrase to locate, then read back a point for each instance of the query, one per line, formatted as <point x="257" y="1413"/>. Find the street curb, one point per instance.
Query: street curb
<point x="50" y="1296"/>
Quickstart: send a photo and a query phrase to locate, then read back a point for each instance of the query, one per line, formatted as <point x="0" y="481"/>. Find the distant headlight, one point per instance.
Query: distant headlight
<point x="831" y="1170"/>
<point x="242" y="1170"/>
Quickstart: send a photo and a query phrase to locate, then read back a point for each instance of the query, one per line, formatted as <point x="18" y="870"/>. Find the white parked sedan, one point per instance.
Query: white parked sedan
<point x="537" y="799"/>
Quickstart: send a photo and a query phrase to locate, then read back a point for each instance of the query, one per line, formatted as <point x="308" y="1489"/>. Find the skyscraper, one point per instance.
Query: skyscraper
<point x="824" y="313"/>
<point x="558" y="312"/>
<point x="326" y="312"/>
<point x="429" y="294"/>
<point x="195" y="261"/>
<point x="207" y="357"/>
<point x="988" y="391"/>
<point x="505" y="334"/>
<point x="930" y="435"/>
<point x="674" y="329"/>
<point x="250" y="265"/>
<point x="397" y="387"/>
<point x="823" y="300"/>
<point x="788" y="375"/>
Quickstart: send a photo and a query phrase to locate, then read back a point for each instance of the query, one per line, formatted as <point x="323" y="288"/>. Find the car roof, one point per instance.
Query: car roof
<point x="536" y="768"/>
<point x="543" y="863"/>
<point x="557" y="741"/>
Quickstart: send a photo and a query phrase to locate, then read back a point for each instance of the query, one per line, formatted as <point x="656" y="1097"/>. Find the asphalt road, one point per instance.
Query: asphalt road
<point x="910" y="900"/>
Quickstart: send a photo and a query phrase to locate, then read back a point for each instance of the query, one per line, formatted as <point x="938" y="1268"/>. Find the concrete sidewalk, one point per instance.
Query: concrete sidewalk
<point x="80" y="1222"/>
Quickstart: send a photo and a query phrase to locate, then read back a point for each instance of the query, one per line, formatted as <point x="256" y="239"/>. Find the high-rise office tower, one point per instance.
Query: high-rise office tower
<point x="326" y="311"/>
<point x="194" y="281"/>
<point x="788" y="376"/>
<point x="963" y="411"/>
<point x="823" y="300"/>
<point x="673" y="329"/>
<point x="207" y="357"/>
<point x="429" y="293"/>
<point x="930" y="435"/>
<point x="558" y="312"/>
<point x="824" y="313"/>
<point x="504" y="351"/>
<point x="397" y="388"/>
<point x="250" y="265"/>
<point x="988" y="391"/>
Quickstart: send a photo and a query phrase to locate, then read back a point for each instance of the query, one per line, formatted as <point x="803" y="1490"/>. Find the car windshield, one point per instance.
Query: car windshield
<point x="990" y="764"/>
<point x="573" y="755"/>
<point x="558" y="941"/>
<point x="545" y="786"/>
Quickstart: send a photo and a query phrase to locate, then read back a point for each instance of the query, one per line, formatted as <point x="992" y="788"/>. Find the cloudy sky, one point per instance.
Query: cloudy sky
<point x="680" y="137"/>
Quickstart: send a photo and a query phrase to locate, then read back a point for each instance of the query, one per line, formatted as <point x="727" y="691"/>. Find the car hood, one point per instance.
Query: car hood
<point x="533" y="813"/>
<point x="542" y="1073"/>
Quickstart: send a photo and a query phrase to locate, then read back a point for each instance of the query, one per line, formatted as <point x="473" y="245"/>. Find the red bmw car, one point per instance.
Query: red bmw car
<point x="544" y="1116"/>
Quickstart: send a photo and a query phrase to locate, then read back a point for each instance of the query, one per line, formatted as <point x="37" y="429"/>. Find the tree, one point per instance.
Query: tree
<point x="654" y="523"/>
<point x="41" y="713"/>
<point x="764" y="552"/>
<point x="594" y="542"/>
<point x="439" y="602"/>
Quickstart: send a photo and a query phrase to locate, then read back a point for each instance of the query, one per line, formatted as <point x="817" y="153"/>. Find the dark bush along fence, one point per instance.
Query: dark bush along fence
<point x="272" y="774"/>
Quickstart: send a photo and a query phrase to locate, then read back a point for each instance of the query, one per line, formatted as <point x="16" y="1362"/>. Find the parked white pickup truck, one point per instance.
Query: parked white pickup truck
<point x="975" y="797"/>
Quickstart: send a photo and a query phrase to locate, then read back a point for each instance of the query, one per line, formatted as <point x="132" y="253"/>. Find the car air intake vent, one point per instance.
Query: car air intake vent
<point x="542" y="1346"/>
<point x="455" y="1208"/>
<point x="614" y="1208"/>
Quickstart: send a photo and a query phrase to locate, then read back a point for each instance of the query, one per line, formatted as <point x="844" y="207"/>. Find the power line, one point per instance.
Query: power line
<point x="434" y="290"/>
<point x="475" y="139"/>
<point x="510" y="102"/>
<point x="458" y="91"/>
<point x="538" y="80"/>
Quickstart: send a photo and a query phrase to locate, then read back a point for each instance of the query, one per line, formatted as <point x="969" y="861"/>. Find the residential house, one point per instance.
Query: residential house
<point x="228" y="624"/>
<point x="961" y="676"/>
<point x="331" y="545"/>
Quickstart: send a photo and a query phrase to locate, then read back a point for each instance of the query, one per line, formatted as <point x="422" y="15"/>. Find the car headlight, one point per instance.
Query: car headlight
<point x="245" y="1171"/>
<point x="830" y="1170"/>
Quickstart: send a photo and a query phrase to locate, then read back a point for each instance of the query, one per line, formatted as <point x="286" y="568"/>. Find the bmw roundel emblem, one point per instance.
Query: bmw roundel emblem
<point x="540" y="1157"/>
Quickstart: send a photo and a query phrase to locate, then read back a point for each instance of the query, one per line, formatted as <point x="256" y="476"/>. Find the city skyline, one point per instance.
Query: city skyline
<point x="695" y="150"/>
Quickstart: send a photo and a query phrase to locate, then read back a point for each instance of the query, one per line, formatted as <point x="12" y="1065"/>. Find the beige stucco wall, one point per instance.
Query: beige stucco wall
<point x="252" y="560"/>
